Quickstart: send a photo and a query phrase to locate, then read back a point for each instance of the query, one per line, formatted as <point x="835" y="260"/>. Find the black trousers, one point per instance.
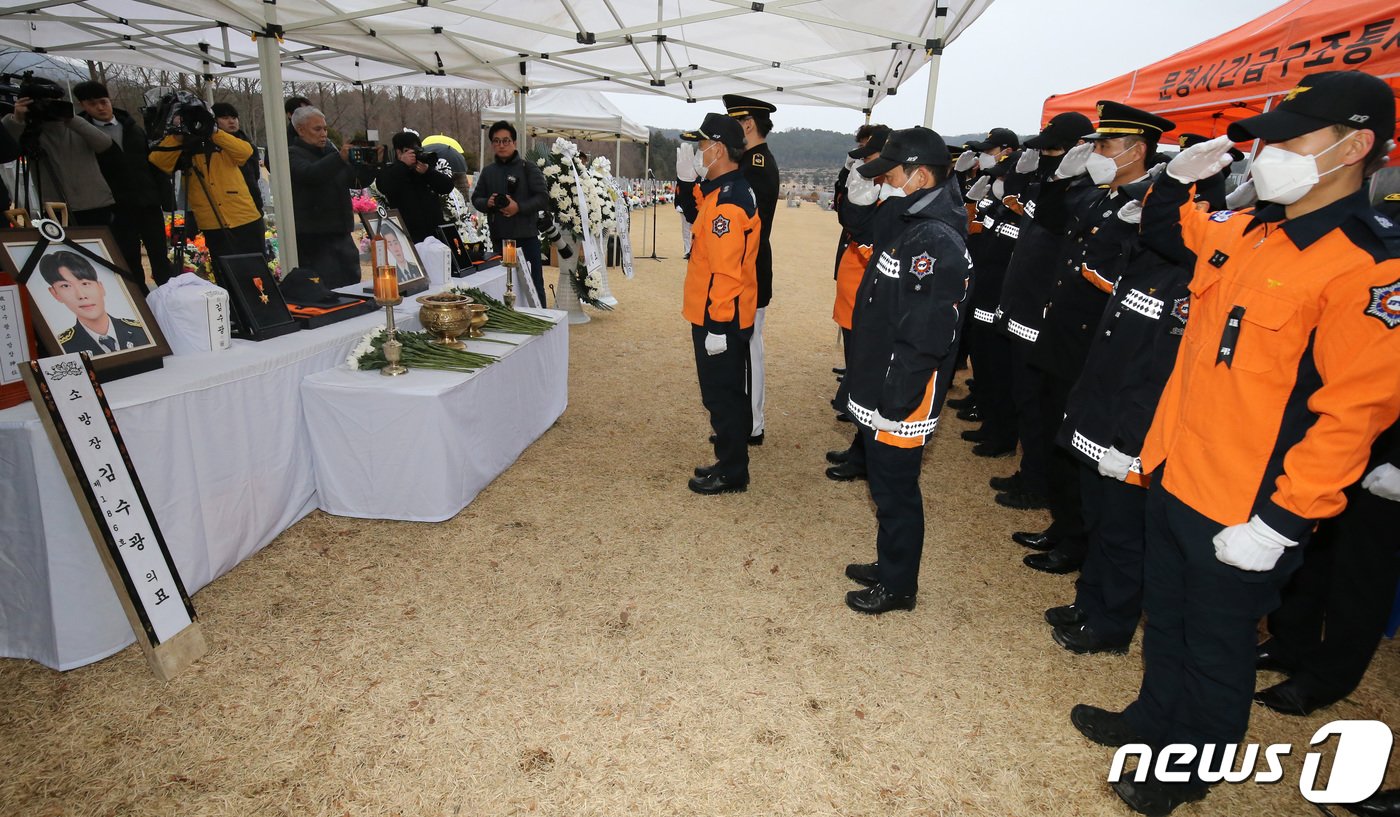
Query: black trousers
<point x="1199" y="637"/>
<point x="1036" y="441"/>
<point x="333" y="257"/>
<point x="134" y="226"/>
<point x="1335" y="609"/>
<point x="240" y="240"/>
<point x="1066" y="505"/>
<point x="899" y="511"/>
<point x="724" y="389"/>
<point x="991" y="367"/>
<point x="1109" y="588"/>
<point x="96" y="217"/>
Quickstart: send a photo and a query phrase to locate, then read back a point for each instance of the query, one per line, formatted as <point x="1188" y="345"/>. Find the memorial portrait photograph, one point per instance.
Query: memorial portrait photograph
<point x="402" y="254"/>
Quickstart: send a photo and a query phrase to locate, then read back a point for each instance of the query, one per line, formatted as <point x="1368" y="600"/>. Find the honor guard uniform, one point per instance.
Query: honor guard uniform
<point x="1081" y="202"/>
<point x="1025" y="289"/>
<point x="761" y="171"/>
<point x="904" y="336"/>
<point x="122" y="333"/>
<point x="1285" y="377"/>
<point x="721" y="293"/>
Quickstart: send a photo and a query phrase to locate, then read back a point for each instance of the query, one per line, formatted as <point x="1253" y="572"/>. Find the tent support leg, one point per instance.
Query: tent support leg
<point x="940" y="22"/>
<point x="270" y="74"/>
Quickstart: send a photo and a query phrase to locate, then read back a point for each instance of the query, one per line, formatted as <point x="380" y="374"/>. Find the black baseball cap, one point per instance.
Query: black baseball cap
<point x="911" y="146"/>
<point x="998" y="138"/>
<point x="718" y="127"/>
<point x="1063" y="131"/>
<point x="1186" y="140"/>
<point x="1117" y="120"/>
<point x="1350" y="98"/>
<point x="873" y="145"/>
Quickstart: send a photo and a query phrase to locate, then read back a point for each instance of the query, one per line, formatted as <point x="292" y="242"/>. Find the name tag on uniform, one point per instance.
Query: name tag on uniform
<point x="1230" y="338"/>
<point x="1218" y="259"/>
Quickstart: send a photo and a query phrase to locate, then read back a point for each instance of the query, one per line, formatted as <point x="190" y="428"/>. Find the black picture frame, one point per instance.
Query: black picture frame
<point x="141" y="346"/>
<point x="259" y="310"/>
<point x="412" y="275"/>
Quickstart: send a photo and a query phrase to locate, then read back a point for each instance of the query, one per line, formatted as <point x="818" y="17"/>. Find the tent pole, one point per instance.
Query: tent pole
<point x="481" y="147"/>
<point x="940" y="21"/>
<point x="270" y="73"/>
<point x="617" y="156"/>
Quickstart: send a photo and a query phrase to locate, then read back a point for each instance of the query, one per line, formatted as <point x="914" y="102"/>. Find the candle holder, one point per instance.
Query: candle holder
<point x="512" y="263"/>
<point x="386" y="294"/>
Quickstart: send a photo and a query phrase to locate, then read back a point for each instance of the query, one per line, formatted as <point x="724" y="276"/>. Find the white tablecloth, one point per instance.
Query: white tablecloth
<point x="421" y="446"/>
<point x="221" y="448"/>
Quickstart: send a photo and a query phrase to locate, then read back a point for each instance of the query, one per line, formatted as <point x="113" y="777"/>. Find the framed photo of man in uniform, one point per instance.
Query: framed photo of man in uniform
<point x="80" y="301"/>
<point x="402" y="254"/>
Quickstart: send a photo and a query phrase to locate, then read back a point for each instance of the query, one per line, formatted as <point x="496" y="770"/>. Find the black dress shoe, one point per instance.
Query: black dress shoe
<point x="1065" y="616"/>
<point x="838" y="369"/>
<point x="756" y="439"/>
<point x="1103" y="727"/>
<point x="845" y="472"/>
<point x="1082" y="639"/>
<point x="1011" y="483"/>
<point x="1266" y="656"/>
<point x="1381" y="804"/>
<point x="718" y="484"/>
<point x="839" y="456"/>
<point x="1053" y="561"/>
<point x="1154" y="798"/>
<point x="974" y="435"/>
<point x="1034" y="541"/>
<point x="843" y="417"/>
<point x="990" y="448"/>
<point x="876" y="599"/>
<point x="1022" y="500"/>
<point x="707" y="470"/>
<point x="866" y="574"/>
<point x="969" y="414"/>
<point x="960" y="403"/>
<point x="1291" y="698"/>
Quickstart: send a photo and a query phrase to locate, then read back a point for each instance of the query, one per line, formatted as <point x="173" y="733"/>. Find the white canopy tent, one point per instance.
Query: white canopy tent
<point x="581" y="115"/>
<point x="813" y="52"/>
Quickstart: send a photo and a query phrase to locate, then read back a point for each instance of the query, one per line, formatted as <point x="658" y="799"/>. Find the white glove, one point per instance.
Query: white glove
<point x="1156" y="170"/>
<point x="850" y="163"/>
<point x="1115" y="463"/>
<point x="1101" y="168"/>
<point x="1130" y="213"/>
<point x="1075" y="161"/>
<point x="965" y="161"/>
<point x="861" y="191"/>
<point x="1253" y="546"/>
<point x="1384" y="482"/>
<point x="979" y="188"/>
<point x="1242" y="196"/>
<point x="685" y="162"/>
<point x="1201" y="161"/>
<point x="998" y="190"/>
<point x="716" y="344"/>
<point x="1029" y="161"/>
<point x="882" y="424"/>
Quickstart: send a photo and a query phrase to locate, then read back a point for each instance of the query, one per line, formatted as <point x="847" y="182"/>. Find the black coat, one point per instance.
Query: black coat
<point x="134" y="181"/>
<point x="417" y="197"/>
<point x="252" y="172"/>
<point x="761" y="172"/>
<point x="321" y="183"/>
<point x="522" y="181"/>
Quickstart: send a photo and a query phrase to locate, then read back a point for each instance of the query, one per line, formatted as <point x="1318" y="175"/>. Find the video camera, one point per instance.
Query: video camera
<point x="48" y="99"/>
<point x="425" y="156"/>
<point x="363" y="153"/>
<point x="179" y="113"/>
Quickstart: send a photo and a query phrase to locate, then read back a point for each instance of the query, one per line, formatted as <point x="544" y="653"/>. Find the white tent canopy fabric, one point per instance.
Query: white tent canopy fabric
<point x="583" y="115"/>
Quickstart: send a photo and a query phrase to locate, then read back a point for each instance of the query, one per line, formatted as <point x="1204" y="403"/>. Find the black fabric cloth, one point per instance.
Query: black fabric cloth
<point x="761" y="172"/>
<point x="1109" y="588"/>
<point x="252" y="172"/>
<point x="1031" y="271"/>
<point x="240" y="240"/>
<point x="1201" y="629"/>
<point x="134" y="181"/>
<point x="893" y="474"/>
<point x="9" y="151"/>
<point x="522" y="181"/>
<point x="134" y="226"/>
<point x="321" y="184"/>
<point x="724" y="390"/>
<point x="332" y="256"/>
<point x="417" y="196"/>
<point x="1335" y="609"/>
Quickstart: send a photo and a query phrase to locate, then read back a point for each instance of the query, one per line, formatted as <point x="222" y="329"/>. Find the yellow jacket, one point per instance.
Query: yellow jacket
<point x="223" y="175"/>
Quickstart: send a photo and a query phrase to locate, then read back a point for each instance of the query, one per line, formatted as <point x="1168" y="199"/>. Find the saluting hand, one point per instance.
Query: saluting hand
<point x="979" y="188"/>
<point x="965" y="161"/>
<point x="1075" y="161"/>
<point x="1201" y="161"/>
<point x="1242" y="197"/>
<point x="1029" y="161"/>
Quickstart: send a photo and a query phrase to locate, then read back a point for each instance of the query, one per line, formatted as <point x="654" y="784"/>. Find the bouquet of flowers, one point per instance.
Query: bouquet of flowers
<point x="196" y="254"/>
<point x="601" y="205"/>
<point x="567" y="180"/>
<point x="363" y="202"/>
<point x="419" y="352"/>
<point x="272" y="253"/>
<point x="471" y="223"/>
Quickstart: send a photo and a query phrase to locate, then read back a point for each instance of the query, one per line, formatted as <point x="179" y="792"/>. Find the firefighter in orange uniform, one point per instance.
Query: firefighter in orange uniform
<point x="721" y="294"/>
<point x="1285" y="377"/>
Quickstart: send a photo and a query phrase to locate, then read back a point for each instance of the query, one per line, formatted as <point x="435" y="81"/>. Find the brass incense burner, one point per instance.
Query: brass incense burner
<point x="479" y="318"/>
<point x="448" y="317"/>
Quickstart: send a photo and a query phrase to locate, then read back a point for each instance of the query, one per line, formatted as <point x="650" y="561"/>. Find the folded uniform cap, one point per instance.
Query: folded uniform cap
<point x="1062" y="132"/>
<point x="873" y="145"/>
<point x="718" y="128"/>
<point x="304" y="288"/>
<point x="1117" y="120"/>
<point x="911" y="146"/>
<point x="738" y="106"/>
<point x="1186" y="140"/>
<point x="998" y="138"/>
<point x="1348" y="98"/>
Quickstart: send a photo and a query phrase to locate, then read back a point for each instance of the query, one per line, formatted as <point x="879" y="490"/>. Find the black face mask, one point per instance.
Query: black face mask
<point x="1049" y="164"/>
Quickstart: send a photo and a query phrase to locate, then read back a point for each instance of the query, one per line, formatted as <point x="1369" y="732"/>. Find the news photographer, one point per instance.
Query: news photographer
<point x="63" y="149"/>
<point x="510" y="192"/>
<point x="142" y="193"/>
<point x="212" y="163"/>
<point x="414" y="186"/>
<point x="322" y="177"/>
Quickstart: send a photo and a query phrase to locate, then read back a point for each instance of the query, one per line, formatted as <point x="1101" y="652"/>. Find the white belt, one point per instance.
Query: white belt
<point x="1095" y="452"/>
<point x="866" y="417"/>
<point x="1022" y="331"/>
<point x="984" y="316"/>
<point x="1144" y="305"/>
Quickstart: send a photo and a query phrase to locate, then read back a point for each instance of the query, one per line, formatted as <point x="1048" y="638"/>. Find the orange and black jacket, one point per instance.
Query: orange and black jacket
<point x="721" y="282"/>
<point x="909" y="314"/>
<point x="1287" y="371"/>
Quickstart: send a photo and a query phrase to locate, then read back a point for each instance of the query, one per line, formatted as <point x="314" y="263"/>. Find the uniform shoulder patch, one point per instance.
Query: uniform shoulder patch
<point x="758" y="160"/>
<point x="1385" y="304"/>
<point x="1222" y="216"/>
<point x="921" y="265"/>
<point x="66" y="335"/>
<point x="720" y="227"/>
<point x="1181" y="309"/>
<point x="131" y="322"/>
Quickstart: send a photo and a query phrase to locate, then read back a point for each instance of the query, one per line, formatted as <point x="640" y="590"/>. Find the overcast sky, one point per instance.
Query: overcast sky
<point x="999" y="72"/>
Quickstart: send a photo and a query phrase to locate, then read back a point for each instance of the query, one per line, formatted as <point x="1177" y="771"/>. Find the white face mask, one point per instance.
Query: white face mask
<point x="890" y="192"/>
<point x="1104" y="169"/>
<point x="1282" y="176"/>
<point x="986" y="161"/>
<point x="702" y="168"/>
